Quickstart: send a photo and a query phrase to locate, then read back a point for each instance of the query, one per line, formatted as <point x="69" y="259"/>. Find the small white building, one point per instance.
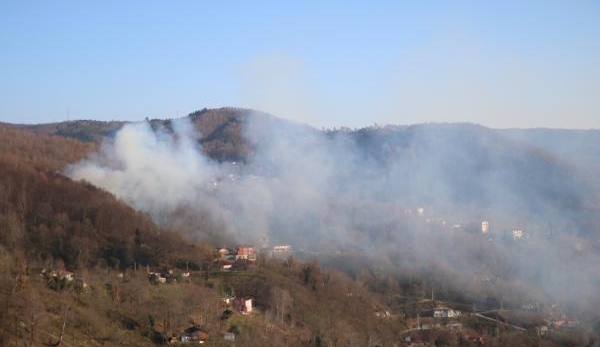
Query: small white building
<point x="485" y="226"/>
<point x="229" y="337"/>
<point x="445" y="312"/>
<point x="282" y="248"/>
<point x="517" y="234"/>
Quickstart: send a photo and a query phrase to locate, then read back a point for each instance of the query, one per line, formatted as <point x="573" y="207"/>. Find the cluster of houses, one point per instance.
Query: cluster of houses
<point x="228" y="259"/>
<point x="195" y="334"/>
<point x="61" y="279"/>
<point x="192" y="334"/>
<point x="443" y="317"/>
<point x="167" y="276"/>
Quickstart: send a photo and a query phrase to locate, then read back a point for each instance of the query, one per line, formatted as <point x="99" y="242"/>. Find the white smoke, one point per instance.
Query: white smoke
<point x="320" y="191"/>
<point x="150" y="170"/>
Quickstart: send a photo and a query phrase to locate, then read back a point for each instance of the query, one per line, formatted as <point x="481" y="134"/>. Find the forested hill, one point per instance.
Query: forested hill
<point x="77" y="264"/>
<point x="41" y="151"/>
<point x="541" y="173"/>
<point x="222" y="134"/>
<point x="82" y="130"/>
<point x="48" y="216"/>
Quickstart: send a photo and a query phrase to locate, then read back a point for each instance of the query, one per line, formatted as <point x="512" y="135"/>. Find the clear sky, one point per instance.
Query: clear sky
<point x="327" y="63"/>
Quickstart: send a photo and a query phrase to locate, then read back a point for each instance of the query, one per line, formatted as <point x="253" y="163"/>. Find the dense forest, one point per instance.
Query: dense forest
<point x="77" y="267"/>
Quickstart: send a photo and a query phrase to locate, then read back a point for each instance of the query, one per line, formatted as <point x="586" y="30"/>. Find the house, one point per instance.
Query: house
<point x="225" y="253"/>
<point x="450" y="313"/>
<point x="282" y="248"/>
<point x="68" y="276"/>
<point x="517" y="234"/>
<point x="194" y="334"/>
<point x="564" y="322"/>
<point x="156" y="278"/>
<point x="229" y="337"/>
<point x="531" y="306"/>
<point x="245" y="253"/>
<point x="442" y="312"/>
<point x="485" y="226"/>
<point x="243" y="305"/>
<point x="383" y="314"/>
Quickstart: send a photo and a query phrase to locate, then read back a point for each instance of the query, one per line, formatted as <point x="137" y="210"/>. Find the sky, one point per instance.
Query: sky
<point x="326" y="63"/>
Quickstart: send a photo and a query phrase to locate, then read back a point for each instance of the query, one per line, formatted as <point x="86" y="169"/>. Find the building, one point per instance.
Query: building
<point x="517" y="234"/>
<point x="229" y="337"/>
<point x="485" y="226"/>
<point x="245" y="253"/>
<point x="225" y="253"/>
<point x="442" y="312"/>
<point x="194" y="334"/>
<point x="565" y="322"/>
<point x="282" y="248"/>
<point x="243" y="305"/>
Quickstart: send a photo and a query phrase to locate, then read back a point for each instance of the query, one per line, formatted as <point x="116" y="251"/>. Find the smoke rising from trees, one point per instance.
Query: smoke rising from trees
<point x="344" y="191"/>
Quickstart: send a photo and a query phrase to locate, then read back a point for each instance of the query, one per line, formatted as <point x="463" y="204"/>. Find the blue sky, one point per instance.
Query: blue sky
<point x="327" y="63"/>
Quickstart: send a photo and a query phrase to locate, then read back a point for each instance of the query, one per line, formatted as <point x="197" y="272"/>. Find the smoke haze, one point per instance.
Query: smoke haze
<point x="405" y="198"/>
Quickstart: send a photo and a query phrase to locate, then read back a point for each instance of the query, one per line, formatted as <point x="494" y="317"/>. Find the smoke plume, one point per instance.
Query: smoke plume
<point x="405" y="198"/>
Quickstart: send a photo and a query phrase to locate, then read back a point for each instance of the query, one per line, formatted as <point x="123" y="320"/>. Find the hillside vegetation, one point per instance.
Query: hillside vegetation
<point x="78" y="267"/>
<point x="48" y="222"/>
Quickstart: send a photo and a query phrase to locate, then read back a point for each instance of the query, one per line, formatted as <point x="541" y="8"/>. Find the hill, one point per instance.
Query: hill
<point x="74" y="260"/>
<point x="49" y="221"/>
<point x="82" y="130"/>
<point x="543" y="176"/>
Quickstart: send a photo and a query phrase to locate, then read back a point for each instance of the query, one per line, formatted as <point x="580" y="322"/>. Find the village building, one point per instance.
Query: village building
<point x="564" y="322"/>
<point x="282" y="248"/>
<point x="245" y="253"/>
<point x="194" y="334"/>
<point x="485" y="227"/>
<point x="225" y="253"/>
<point x="229" y="337"/>
<point x="517" y="234"/>
<point x="243" y="305"/>
<point x="442" y="312"/>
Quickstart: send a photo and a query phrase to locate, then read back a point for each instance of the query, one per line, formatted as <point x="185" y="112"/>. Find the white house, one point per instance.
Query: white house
<point x="485" y="226"/>
<point x="445" y="312"/>
<point x="517" y="234"/>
